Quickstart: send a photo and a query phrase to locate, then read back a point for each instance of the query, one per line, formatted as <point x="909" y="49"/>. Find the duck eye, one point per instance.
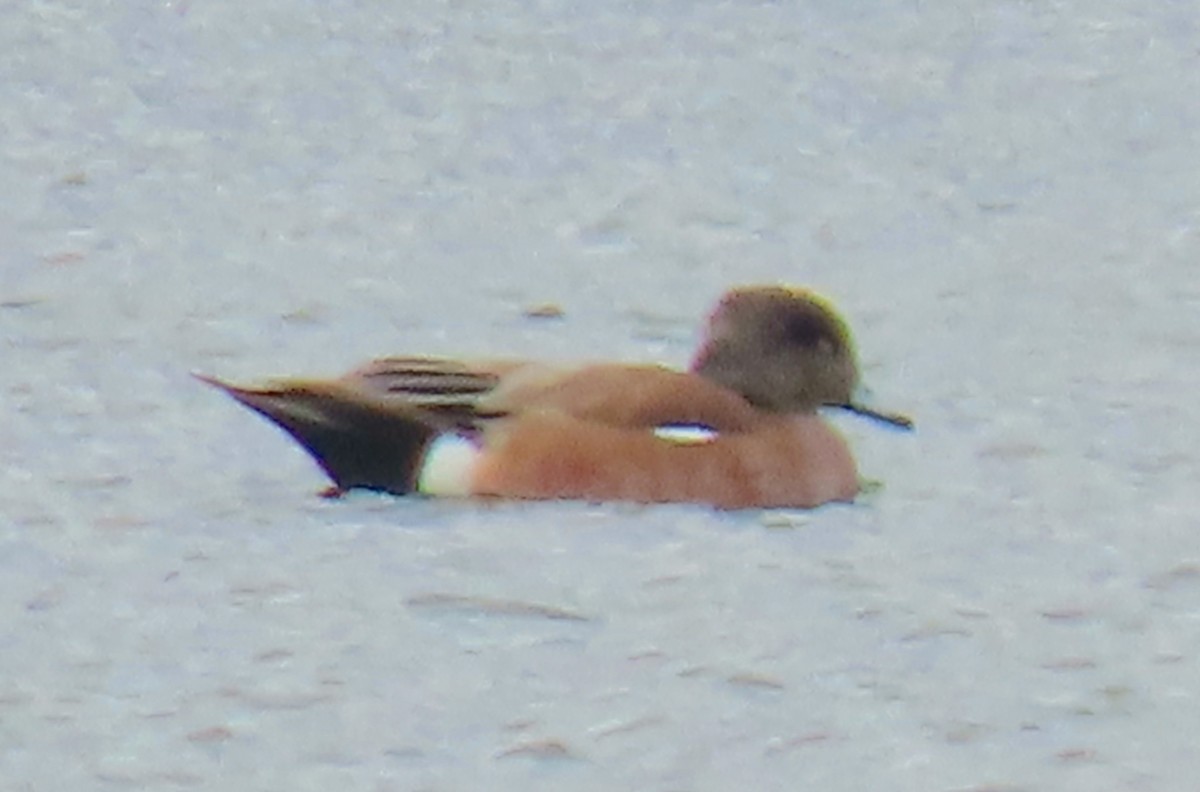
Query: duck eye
<point x="804" y="330"/>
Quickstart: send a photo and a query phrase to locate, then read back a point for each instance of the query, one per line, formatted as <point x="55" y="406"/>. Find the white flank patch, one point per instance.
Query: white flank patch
<point x="686" y="435"/>
<point x="449" y="467"/>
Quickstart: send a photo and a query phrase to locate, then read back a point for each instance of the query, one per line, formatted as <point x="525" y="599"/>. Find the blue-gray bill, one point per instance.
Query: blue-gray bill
<point x="897" y="420"/>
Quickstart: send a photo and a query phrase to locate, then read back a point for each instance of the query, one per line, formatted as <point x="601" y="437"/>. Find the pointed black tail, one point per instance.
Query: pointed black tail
<point x="359" y="440"/>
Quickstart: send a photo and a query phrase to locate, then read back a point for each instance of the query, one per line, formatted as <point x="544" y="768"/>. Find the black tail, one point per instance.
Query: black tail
<point x="359" y="440"/>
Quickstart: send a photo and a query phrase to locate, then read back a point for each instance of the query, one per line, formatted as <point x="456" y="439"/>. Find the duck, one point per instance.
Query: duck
<point x="742" y="427"/>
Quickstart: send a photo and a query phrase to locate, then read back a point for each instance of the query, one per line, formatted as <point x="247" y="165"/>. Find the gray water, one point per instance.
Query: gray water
<point x="1002" y="196"/>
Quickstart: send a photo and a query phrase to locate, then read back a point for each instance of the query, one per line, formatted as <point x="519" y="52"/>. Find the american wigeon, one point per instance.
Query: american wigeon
<point x="770" y="357"/>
